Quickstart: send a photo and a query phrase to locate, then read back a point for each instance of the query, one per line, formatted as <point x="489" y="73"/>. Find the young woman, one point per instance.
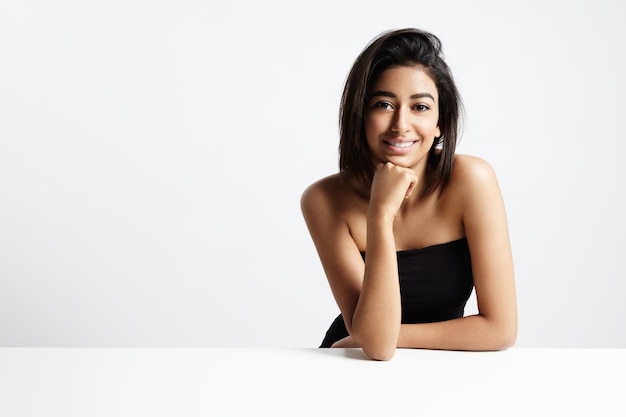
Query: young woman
<point x="407" y="228"/>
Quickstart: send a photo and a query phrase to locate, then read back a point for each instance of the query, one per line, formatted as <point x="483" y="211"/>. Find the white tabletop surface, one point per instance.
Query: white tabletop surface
<point x="310" y="382"/>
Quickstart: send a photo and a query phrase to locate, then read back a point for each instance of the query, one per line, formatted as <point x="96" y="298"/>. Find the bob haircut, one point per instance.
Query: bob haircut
<point x="403" y="47"/>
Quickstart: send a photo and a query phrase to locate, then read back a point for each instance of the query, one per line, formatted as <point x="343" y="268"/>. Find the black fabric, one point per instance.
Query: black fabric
<point x="435" y="284"/>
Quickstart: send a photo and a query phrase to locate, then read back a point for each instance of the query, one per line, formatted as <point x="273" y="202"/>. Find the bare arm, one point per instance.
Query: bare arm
<point x="378" y="313"/>
<point x="368" y="294"/>
<point x="484" y="219"/>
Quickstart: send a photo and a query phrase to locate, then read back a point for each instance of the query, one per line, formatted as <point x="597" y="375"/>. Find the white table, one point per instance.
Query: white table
<point x="317" y="382"/>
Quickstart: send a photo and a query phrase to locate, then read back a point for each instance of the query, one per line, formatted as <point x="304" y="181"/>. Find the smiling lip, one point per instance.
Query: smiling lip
<point x="399" y="145"/>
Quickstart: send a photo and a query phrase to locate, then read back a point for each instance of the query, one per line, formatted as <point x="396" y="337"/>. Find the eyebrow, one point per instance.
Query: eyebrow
<point x="392" y="95"/>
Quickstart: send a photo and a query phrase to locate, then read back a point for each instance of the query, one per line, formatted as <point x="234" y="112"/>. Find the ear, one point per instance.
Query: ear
<point x="437" y="133"/>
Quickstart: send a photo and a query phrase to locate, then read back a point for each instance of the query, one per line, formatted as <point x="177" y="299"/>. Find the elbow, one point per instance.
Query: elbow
<point x="377" y="342"/>
<point x="503" y="343"/>
<point x="379" y="347"/>
<point x="509" y="334"/>
<point x="380" y="353"/>
<point x="504" y="338"/>
<point x="376" y="349"/>
<point x="508" y="340"/>
<point x="379" y="350"/>
<point x="496" y="334"/>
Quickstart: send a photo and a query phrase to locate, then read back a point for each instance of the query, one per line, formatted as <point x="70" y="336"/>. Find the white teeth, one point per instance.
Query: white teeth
<point x="401" y="144"/>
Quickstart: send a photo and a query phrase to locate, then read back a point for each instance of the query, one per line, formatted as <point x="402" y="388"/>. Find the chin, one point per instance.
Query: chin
<point x="401" y="162"/>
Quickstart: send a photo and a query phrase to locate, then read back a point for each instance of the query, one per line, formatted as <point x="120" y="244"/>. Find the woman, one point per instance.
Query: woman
<point x="407" y="228"/>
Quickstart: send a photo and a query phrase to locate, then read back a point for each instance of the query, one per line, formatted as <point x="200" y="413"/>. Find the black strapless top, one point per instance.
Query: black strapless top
<point x="435" y="284"/>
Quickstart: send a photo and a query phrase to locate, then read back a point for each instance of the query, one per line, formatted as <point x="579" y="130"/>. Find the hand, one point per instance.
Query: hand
<point x="346" y="342"/>
<point x="391" y="185"/>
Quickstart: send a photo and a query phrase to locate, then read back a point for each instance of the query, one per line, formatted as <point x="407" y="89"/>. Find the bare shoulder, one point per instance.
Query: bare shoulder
<point x="324" y="189"/>
<point x="475" y="190"/>
<point x="473" y="181"/>
<point x="472" y="168"/>
<point x="328" y="208"/>
<point x="471" y="174"/>
<point x="325" y="198"/>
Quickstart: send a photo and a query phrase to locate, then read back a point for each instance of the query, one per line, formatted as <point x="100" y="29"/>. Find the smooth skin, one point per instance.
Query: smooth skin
<point x="344" y="218"/>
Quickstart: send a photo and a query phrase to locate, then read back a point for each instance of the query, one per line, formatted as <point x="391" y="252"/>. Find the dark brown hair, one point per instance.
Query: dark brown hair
<point x="403" y="47"/>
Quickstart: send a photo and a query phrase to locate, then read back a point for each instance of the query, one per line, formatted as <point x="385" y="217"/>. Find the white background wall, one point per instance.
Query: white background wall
<point x="153" y="153"/>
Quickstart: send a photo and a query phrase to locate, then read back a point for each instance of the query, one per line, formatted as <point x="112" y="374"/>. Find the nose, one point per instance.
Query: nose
<point x="400" y="123"/>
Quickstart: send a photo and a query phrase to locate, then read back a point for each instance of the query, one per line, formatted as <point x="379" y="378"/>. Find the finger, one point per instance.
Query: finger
<point x="412" y="185"/>
<point x="409" y="190"/>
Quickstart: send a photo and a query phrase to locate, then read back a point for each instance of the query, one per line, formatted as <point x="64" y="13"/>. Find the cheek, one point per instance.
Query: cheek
<point x="431" y="125"/>
<point x="375" y="125"/>
<point x="371" y="129"/>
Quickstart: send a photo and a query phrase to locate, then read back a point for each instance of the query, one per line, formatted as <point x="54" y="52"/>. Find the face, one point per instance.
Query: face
<point x="402" y="117"/>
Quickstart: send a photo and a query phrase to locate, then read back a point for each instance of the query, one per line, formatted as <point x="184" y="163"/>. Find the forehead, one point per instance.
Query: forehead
<point x="404" y="80"/>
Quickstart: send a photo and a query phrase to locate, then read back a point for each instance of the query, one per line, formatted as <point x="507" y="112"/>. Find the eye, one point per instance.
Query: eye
<point x="421" y="107"/>
<point x="383" y="105"/>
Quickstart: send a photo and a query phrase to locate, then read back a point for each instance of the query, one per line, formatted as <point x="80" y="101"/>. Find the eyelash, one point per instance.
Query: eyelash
<point x="383" y="105"/>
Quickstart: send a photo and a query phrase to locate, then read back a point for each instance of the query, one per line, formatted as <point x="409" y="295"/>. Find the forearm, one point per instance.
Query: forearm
<point x="377" y="316"/>
<point x="474" y="333"/>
